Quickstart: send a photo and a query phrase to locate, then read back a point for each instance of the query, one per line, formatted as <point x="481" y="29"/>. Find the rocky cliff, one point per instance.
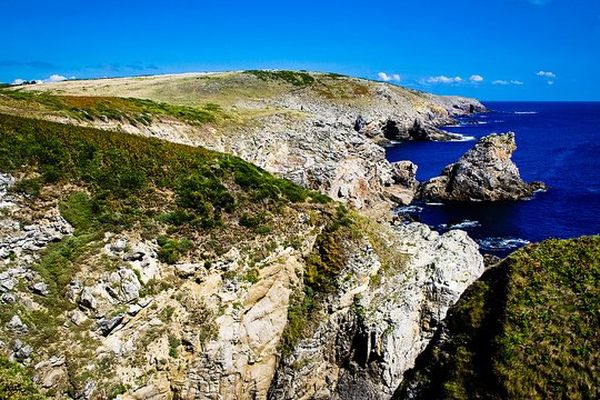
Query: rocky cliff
<point x="484" y="173"/>
<point x="141" y="269"/>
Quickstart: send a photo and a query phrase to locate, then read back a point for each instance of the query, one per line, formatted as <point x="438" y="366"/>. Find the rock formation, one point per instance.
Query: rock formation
<point x="484" y="173"/>
<point x="374" y="328"/>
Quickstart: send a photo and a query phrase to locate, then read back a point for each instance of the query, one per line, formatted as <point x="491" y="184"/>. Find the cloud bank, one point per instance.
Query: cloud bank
<point x="546" y="74"/>
<point x="389" y="77"/>
<point x="50" y="79"/>
<point x="443" y="79"/>
<point x="505" y="82"/>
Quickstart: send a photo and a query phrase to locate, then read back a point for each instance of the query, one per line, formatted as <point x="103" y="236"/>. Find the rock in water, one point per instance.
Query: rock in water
<point x="484" y="173"/>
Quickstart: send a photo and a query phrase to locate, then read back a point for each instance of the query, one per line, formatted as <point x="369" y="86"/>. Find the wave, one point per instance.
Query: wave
<point x="525" y="112"/>
<point x="409" y="210"/>
<point x="462" y="138"/>
<point x="434" y="204"/>
<point x="466" y="224"/>
<point x="499" y="243"/>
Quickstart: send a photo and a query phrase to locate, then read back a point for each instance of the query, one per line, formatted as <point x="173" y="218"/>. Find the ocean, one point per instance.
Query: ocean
<point x="557" y="143"/>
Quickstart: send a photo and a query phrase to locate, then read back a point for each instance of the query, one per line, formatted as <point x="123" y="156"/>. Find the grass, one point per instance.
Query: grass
<point x="111" y="181"/>
<point x="529" y="329"/>
<point x="134" y="111"/>
<point x="16" y="383"/>
<point x="295" y="78"/>
<point x="323" y="265"/>
<point x="171" y="250"/>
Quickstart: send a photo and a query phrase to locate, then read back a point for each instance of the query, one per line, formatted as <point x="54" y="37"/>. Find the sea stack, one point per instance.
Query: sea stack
<point x="484" y="173"/>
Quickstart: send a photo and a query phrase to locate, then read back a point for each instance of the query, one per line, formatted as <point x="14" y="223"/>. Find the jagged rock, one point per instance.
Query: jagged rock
<point x="50" y="373"/>
<point x="134" y="256"/>
<point x="8" y="298"/>
<point x="87" y="299"/>
<point x="186" y="270"/>
<point x="74" y="290"/>
<point x="78" y="317"/>
<point x="21" y="351"/>
<point x="7" y="284"/>
<point x="16" y="325"/>
<point x="364" y="356"/>
<point x="40" y="288"/>
<point x="106" y="326"/>
<point x="124" y="285"/>
<point x="484" y="173"/>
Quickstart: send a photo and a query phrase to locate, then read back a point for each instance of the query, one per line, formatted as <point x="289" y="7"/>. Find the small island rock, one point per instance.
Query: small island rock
<point x="484" y="173"/>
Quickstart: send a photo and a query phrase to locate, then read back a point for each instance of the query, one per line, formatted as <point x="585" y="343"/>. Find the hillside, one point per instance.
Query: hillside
<point x="322" y="131"/>
<point x="140" y="268"/>
<point x="528" y="329"/>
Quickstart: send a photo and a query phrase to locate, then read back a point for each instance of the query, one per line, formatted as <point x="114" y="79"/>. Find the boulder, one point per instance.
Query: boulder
<point x="484" y="173"/>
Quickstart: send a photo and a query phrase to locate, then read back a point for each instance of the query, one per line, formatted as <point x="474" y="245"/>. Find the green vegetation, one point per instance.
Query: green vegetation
<point x="528" y="330"/>
<point x="134" y="111"/>
<point x="323" y="266"/>
<point x="122" y="171"/>
<point x="174" y="343"/>
<point x="16" y="383"/>
<point x="171" y="250"/>
<point x="292" y="77"/>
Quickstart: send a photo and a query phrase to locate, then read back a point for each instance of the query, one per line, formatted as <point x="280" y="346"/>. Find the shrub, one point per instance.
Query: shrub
<point x="16" y="383"/>
<point x="171" y="250"/>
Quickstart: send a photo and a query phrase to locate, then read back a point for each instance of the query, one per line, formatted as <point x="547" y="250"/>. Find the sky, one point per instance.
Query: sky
<point x="489" y="49"/>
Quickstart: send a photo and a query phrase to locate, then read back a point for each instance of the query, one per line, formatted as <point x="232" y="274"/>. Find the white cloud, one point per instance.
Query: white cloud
<point x="476" y="78"/>
<point x="56" y="78"/>
<point x="546" y="74"/>
<point x="389" y="77"/>
<point x="443" y="79"/>
<point x="51" y="78"/>
<point x="505" y="82"/>
<point x="550" y="82"/>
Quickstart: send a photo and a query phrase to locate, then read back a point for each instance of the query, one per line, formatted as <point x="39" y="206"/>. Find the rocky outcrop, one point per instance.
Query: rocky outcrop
<point x="374" y="328"/>
<point x="485" y="173"/>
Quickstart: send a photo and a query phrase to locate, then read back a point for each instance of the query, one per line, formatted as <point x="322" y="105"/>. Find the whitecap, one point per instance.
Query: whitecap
<point x="409" y="209"/>
<point x="525" y="112"/>
<point x="466" y="224"/>
<point x="435" y="204"/>
<point x="462" y="138"/>
<point x="499" y="243"/>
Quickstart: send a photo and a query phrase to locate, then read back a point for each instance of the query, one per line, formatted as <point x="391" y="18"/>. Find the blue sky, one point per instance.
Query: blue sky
<point x="490" y="49"/>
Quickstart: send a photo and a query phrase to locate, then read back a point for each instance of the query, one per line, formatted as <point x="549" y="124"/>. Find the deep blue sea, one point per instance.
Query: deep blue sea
<point x="557" y="143"/>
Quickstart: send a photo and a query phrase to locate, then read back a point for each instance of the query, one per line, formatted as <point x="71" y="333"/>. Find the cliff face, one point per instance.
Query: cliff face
<point x="321" y="131"/>
<point x="527" y="329"/>
<point x="190" y="274"/>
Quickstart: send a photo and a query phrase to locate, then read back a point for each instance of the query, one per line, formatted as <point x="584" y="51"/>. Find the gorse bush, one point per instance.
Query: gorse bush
<point x="292" y="77"/>
<point x="122" y="170"/>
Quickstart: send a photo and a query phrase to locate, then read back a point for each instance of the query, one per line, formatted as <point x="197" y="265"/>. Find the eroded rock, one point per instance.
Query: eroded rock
<point x="484" y="173"/>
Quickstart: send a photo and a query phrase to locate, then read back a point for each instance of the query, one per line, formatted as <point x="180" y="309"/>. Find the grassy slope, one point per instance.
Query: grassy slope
<point x="242" y="96"/>
<point x="110" y="181"/>
<point x="528" y="329"/>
